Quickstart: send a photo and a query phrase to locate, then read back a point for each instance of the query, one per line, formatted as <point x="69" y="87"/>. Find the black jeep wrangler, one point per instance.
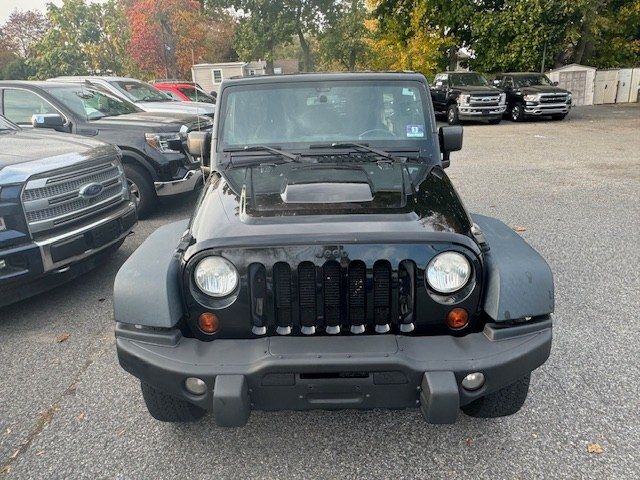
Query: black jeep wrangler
<point x="466" y="96"/>
<point x="331" y="264"/>
<point x="533" y="95"/>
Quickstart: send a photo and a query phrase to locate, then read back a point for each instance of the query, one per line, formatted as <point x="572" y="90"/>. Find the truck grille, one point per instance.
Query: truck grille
<point x="553" y="98"/>
<point x="484" y="100"/>
<point x="54" y="199"/>
<point x="333" y="297"/>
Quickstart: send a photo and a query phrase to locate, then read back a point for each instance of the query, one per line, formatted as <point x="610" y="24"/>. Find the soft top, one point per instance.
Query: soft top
<point x="323" y="77"/>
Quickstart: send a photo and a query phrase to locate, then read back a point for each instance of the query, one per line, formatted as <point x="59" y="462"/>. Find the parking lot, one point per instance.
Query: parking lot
<point x="67" y="410"/>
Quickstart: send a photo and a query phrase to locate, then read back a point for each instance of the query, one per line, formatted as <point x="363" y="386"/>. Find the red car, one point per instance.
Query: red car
<point x="184" y="91"/>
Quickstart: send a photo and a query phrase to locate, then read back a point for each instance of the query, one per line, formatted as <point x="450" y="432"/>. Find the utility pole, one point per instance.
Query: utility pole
<point x="544" y="56"/>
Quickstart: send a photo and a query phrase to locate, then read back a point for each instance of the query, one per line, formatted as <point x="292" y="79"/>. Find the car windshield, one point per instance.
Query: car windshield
<point x="91" y="103"/>
<point x="532" y="81"/>
<point x="196" y="95"/>
<point x="467" y="80"/>
<point x="6" y="125"/>
<point x="304" y="113"/>
<point x="140" y="91"/>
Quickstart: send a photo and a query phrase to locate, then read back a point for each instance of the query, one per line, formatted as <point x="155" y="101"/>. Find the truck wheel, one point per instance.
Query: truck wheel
<point x="558" y="117"/>
<point x="517" y="112"/>
<point x="142" y="190"/>
<point x="506" y="401"/>
<point x="166" y="408"/>
<point x="452" y="115"/>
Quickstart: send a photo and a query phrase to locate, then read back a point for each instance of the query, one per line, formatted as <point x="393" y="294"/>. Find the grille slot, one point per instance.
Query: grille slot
<point x="382" y="293"/>
<point x="331" y="286"/>
<point x="357" y="293"/>
<point x="307" y="294"/>
<point x="282" y="290"/>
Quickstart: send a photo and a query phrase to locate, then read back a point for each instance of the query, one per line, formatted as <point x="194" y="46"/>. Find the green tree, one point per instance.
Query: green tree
<point x="343" y="43"/>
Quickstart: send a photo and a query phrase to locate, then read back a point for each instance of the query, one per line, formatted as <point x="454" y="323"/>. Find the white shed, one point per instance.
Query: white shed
<point x="635" y="85"/>
<point x="606" y="86"/>
<point x="210" y="75"/>
<point x="578" y="79"/>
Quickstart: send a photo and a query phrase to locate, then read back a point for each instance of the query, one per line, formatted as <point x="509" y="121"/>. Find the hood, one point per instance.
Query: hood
<point x="31" y="152"/>
<point x="479" y="89"/>
<point x="152" y="121"/>
<point x="542" y="89"/>
<point x="342" y="200"/>
<point x="193" y="108"/>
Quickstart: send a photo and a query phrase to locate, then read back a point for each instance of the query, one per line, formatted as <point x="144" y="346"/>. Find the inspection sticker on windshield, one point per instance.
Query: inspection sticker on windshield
<point x="415" y="131"/>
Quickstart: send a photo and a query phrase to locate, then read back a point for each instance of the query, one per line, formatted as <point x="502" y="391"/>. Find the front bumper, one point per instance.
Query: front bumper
<point x="478" y="112"/>
<point x="299" y="373"/>
<point x="188" y="183"/>
<point x="29" y="269"/>
<point x="542" y="109"/>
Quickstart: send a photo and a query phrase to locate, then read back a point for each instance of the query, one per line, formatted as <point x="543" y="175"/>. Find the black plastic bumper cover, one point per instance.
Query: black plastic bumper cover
<point x="297" y="373"/>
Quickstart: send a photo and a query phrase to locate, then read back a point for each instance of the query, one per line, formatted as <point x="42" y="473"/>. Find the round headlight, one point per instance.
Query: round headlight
<point x="216" y="276"/>
<point x="448" y="272"/>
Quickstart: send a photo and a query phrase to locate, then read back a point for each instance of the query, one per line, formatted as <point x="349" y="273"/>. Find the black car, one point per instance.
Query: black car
<point x="331" y="264"/>
<point x="533" y="95"/>
<point x="64" y="206"/>
<point x="466" y="96"/>
<point x="151" y="143"/>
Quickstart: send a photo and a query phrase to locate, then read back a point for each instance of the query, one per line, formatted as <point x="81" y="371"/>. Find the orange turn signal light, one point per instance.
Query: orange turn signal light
<point x="208" y="322"/>
<point x="457" y="318"/>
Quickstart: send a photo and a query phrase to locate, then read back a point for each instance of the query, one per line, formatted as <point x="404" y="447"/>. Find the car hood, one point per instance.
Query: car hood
<point x="230" y="214"/>
<point x="193" y="108"/>
<point x="152" y="121"/>
<point x="542" y="89"/>
<point x="478" y="89"/>
<point x="26" y="153"/>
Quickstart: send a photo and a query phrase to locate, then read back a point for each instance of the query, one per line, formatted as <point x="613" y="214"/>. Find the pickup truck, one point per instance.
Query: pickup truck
<point x="64" y="206"/>
<point x="467" y="96"/>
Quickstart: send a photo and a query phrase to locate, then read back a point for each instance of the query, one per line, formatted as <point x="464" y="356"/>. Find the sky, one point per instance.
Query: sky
<point x="8" y="6"/>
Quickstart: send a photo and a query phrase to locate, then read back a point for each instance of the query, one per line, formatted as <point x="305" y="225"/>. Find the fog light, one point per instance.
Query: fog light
<point x="457" y="318"/>
<point x="195" y="385"/>
<point x="208" y="323"/>
<point x="473" y="381"/>
<point x="3" y="264"/>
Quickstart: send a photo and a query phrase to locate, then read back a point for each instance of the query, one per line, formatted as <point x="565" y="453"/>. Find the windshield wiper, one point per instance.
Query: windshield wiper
<point x="290" y="157"/>
<point x="361" y="146"/>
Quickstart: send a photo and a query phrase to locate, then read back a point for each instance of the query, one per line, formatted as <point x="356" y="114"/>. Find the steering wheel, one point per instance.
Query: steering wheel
<point x="368" y="133"/>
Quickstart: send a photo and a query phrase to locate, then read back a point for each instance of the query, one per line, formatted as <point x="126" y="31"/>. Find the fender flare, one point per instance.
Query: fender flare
<point x="138" y="159"/>
<point x="518" y="281"/>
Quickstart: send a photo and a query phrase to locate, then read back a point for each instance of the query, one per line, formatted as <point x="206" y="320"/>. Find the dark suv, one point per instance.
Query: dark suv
<point x="466" y="96"/>
<point x="533" y="95"/>
<point x="64" y="206"/>
<point x="154" y="159"/>
<point x="330" y="264"/>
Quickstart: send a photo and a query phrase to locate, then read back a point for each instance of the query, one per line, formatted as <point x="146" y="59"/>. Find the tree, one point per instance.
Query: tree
<point x="343" y="43"/>
<point x="22" y="30"/>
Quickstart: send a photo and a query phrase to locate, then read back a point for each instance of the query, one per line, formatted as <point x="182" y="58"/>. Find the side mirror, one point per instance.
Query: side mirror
<point x="450" y="138"/>
<point x="555" y="84"/>
<point x="47" y="120"/>
<point x="199" y="144"/>
<point x="496" y="83"/>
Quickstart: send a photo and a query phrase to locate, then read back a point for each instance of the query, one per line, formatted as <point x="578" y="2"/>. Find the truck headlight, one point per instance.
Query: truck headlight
<point x="531" y="98"/>
<point x="164" y="142"/>
<point x="448" y="272"/>
<point x="569" y="99"/>
<point x="502" y="99"/>
<point x="464" y="99"/>
<point x="216" y="276"/>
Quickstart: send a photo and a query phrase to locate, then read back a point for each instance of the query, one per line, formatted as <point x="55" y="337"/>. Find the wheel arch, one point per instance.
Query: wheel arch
<point x="132" y="157"/>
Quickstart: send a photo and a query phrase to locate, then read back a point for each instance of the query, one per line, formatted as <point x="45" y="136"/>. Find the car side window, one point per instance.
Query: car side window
<point x="20" y="105"/>
<point x="173" y="95"/>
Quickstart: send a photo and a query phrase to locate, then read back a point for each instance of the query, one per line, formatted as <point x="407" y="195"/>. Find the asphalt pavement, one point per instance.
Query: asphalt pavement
<point x="67" y="410"/>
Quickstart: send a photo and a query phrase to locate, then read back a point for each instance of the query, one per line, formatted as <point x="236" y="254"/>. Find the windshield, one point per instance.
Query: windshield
<point x="91" y="103"/>
<point x="140" y="92"/>
<point x="532" y="80"/>
<point x="305" y="113"/>
<point x="196" y="95"/>
<point x="6" y="125"/>
<point x="467" y="80"/>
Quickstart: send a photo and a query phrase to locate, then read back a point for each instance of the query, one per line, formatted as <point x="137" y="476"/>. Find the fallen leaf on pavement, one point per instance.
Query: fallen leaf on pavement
<point x="15" y="454"/>
<point x="594" y="448"/>
<point x="80" y="417"/>
<point x="518" y="228"/>
<point x="120" y="432"/>
<point x="63" y="337"/>
<point x="41" y="452"/>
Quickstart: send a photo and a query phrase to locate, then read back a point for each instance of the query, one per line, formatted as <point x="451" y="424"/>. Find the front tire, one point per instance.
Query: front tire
<point x="506" y="401"/>
<point x="452" y="115"/>
<point x="517" y="113"/>
<point x="141" y="188"/>
<point x="166" y="408"/>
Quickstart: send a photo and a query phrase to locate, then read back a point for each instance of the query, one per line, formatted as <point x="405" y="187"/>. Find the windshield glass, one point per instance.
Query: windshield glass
<point x="196" y="95"/>
<point x="91" y="103"/>
<point x="140" y="92"/>
<point x="305" y="113"/>
<point x="467" y="80"/>
<point x="532" y="80"/>
<point x="6" y="125"/>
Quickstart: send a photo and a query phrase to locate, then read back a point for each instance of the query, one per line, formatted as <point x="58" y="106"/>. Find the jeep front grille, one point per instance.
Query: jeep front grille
<point x="333" y="298"/>
<point x="54" y="199"/>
